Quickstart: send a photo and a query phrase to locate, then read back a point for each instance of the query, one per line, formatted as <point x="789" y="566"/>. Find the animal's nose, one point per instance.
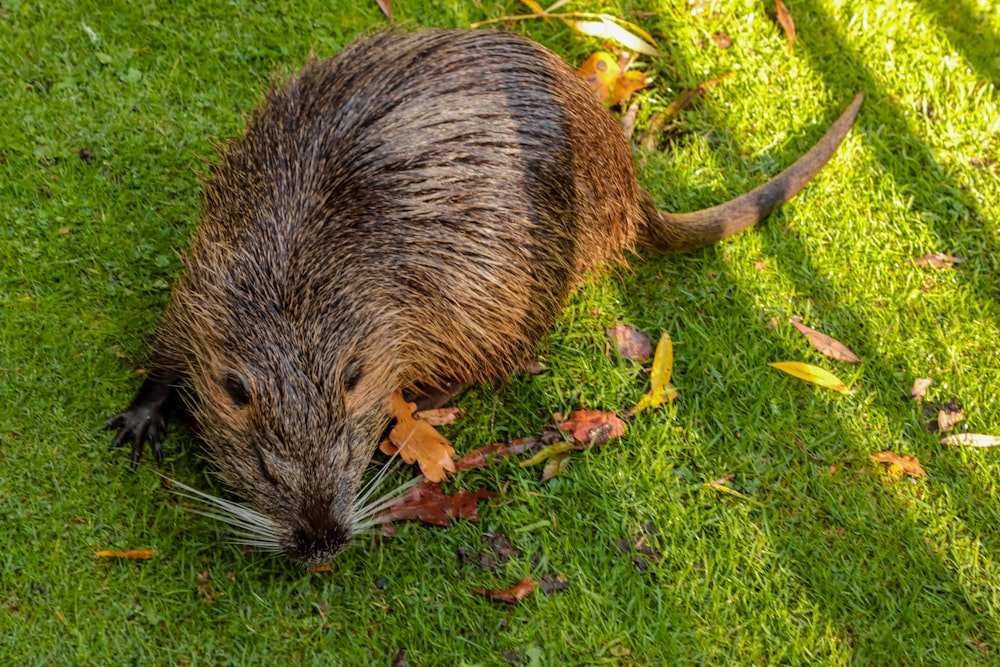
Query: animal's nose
<point x="318" y="537"/>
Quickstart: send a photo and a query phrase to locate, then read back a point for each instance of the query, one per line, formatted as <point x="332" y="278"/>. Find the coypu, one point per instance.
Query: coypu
<point x="412" y="212"/>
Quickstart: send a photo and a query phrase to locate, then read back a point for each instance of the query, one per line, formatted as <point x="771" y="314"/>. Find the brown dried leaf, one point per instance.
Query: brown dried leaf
<point x="684" y="100"/>
<point x="493" y="452"/>
<point x="129" y="554"/>
<point x="428" y="503"/>
<point x="555" y="465"/>
<point x="386" y="7"/>
<point x="439" y="416"/>
<point x="900" y="464"/>
<point x="938" y="260"/>
<point x="551" y="584"/>
<point x="784" y="18"/>
<point x="630" y="342"/>
<point x="946" y="419"/>
<point x="920" y="386"/>
<point x="418" y="442"/>
<point x="826" y="345"/>
<point x="513" y="595"/>
<point x="593" y="427"/>
<point x="722" y="481"/>
<point x="722" y="40"/>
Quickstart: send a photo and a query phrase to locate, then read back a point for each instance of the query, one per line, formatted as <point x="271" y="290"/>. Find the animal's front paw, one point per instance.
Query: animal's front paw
<point x="138" y="425"/>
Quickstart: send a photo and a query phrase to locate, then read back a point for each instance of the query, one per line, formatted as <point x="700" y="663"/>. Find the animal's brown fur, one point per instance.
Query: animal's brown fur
<point x="413" y="210"/>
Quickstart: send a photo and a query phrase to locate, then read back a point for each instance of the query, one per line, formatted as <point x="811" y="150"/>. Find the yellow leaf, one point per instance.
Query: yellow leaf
<point x="900" y="464"/>
<point x="660" y="390"/>
<point x="811" y="373"/>
<point x="533" y="6"/>
<point x="663" y="364"/>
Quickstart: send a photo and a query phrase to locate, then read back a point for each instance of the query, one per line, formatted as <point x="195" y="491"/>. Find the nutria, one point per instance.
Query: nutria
<point x="412" y="212"/>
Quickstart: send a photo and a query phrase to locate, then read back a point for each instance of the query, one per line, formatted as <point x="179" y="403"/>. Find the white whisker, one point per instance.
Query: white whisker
<point x="250" y="528"/>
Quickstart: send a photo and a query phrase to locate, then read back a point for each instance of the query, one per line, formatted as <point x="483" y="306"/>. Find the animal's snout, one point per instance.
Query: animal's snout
<point x="319" y="535"/>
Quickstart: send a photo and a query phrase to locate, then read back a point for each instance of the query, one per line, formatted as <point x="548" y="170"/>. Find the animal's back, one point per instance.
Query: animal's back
<point x="449" y="202"/>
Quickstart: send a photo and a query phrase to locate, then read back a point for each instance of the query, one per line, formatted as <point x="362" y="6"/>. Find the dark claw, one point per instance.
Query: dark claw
<point x="138" y="424"/>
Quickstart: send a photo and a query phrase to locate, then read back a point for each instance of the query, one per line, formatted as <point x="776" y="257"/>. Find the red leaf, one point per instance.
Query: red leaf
<point x="428" y="503"/>
<point x="593" y="427"/>
<point x="519" y="591"/>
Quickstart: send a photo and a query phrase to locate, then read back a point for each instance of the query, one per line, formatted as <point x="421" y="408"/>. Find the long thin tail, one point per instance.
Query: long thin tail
<point x="682" y="232"/>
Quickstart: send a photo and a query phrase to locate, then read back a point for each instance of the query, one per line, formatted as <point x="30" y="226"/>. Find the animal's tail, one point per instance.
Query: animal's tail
<point x="681" y="232"/>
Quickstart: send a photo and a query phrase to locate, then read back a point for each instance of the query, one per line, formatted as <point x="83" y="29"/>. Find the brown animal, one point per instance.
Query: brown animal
<point x="410" y="213"/>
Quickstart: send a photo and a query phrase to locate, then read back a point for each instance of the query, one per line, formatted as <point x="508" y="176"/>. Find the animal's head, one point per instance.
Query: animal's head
<point x="290" y="414"/>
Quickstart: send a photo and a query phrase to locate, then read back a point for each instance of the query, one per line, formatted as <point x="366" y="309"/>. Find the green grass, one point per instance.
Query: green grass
<point x="827" y="560"/>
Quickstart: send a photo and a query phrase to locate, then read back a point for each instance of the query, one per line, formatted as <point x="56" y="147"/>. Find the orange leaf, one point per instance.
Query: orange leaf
<point x="428" y="503"/>
<point x="826" y="345"/>
<point x="130" y="554"/>
<point x="593" y="427"/>
<point x="519" y="591"/>
<point x="938" y="260"/>
<point x="786" y="22"/>
<point x="386" y="7"/>
<point x="417" y="441"/>
<point x="900" y="464"/>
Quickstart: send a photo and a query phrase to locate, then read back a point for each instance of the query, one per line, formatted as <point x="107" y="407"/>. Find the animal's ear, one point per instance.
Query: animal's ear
<point x="352" y="375"/>
<point x="237" y="388"/>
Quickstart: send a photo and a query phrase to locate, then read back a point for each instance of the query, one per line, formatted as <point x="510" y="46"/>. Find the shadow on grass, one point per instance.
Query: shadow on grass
<point x="856" y="544"/>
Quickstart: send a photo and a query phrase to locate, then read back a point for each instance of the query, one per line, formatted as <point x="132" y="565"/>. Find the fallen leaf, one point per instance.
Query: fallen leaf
<point x="760" y="265"/>
<point x="400" y="659"/>
<point x="326" y="567"/>
<point x="920" y="386"/>
<point x="784" y="18"/>
<point x="518" y="592"/>
<point x="630" y="342"/>
<point x="722" y="481"/>
<point x="417" y="441"/>
<point x="938" y="260"/>
<point x="811" y="373"/>
<point x="439" y="416"/>
<point x="386" y="7"/>
<point x="493" y="452"/>
<point x="607" y="27"/>
<point x="722" y="40"/>
<point x="551" y="584"/>
<point x="428" y="503"/>
<point x="593" y="428"/>
<point x="611" y="84"/>
<point x="533" y="6"/>
<point x="684" y="100"/>
<point x="826" y="345"/>
<point x="555" y="465"/>
<point x="628" y="120"/>
<point x="130" y="554"/>
<point x="946" y="419"/>
<point x="900" y="464"/>
<point x="971" y="440"/>
<point x="552" y="450"/>
<point x="660" y="390"/>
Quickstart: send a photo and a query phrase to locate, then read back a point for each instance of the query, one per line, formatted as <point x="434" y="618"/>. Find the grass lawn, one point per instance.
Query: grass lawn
<point x="108" y="111"/>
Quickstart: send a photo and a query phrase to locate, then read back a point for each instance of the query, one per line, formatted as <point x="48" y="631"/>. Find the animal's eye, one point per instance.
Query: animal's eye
<point x="352" y="375"/>
<point x="238" y="389"/>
